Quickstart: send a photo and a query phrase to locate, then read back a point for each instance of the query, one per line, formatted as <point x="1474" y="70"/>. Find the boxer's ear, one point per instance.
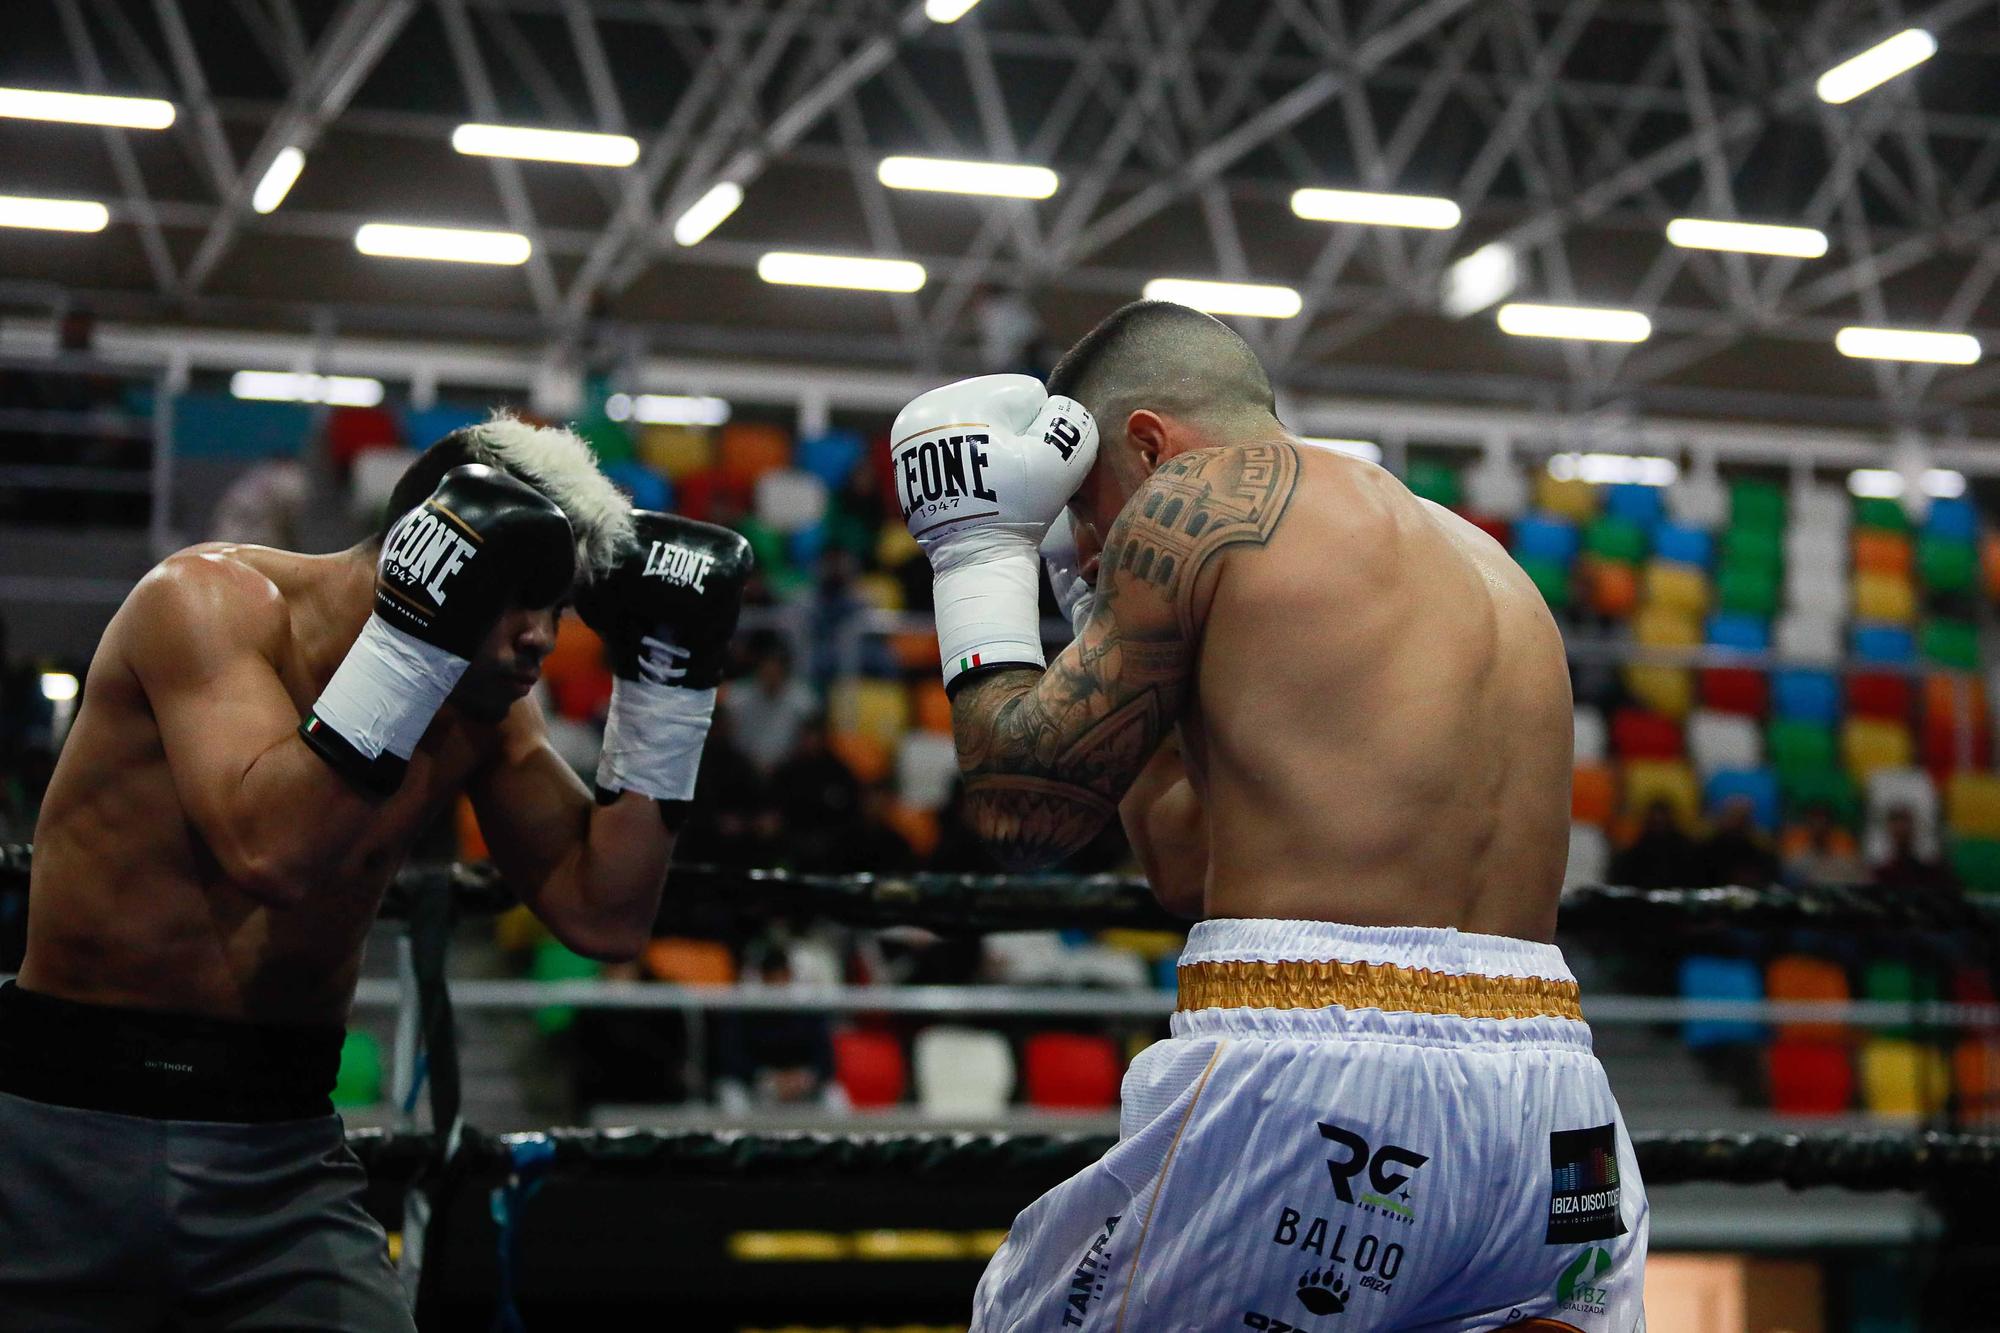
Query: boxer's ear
<point x="1148" y="433"/>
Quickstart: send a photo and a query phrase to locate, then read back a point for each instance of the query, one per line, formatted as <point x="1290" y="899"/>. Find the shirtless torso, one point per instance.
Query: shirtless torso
<point x="194" y="856"/>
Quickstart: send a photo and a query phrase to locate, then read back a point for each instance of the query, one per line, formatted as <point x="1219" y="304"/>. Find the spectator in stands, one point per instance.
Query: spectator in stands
<point x="818" y="796"/>
<point x="1661" y="857"/>
<point x="767" y="708"/>
<point x="782" y="1058"/>
<point x="734" y="822"/>
<point x="873" y="845"/>
<point x="855" y="516"/>
<point x="1736" y="852"/>
<point x="1906" y="867"/>
<point x="833" y="603"/>
<point x="1820" y="852"/>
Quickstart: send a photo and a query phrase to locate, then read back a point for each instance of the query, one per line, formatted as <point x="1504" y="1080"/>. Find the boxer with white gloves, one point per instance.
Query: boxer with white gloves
<point x="983" y="467"/>
<point x="1379" y="1101"/>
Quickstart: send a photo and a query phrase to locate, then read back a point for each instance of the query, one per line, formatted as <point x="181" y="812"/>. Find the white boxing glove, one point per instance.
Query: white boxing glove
<point x="1059" y="555"/>
<point x="983" y="467"/>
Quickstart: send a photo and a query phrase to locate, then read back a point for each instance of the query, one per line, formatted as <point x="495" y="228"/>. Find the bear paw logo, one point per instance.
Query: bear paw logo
<point x="1322" y="1292"/>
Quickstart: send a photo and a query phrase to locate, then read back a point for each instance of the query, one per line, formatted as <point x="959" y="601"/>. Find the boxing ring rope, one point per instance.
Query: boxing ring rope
<point x="434" y="1169"/>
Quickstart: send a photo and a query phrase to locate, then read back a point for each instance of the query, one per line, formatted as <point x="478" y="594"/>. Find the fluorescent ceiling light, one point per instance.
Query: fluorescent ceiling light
<point x="1227" y="298"/>
<point x="1575" y="321"/>
<point x="1883" y="484"/>
<point x="1006" y="180"/>
<point x="1488" y="274"/>
<point x="1951" y="349"/>
<point x="459" y="245"/>
<point x="278" y="179"/>
<point x="849" y="271"/>
<point x="52" y="214"/>
<point x="666" y="409"/>
<point x="284" y="386"/>
<point x="1615" y="469"/>
<point x="1366" y="450"/>
<point x="586" y="150"/>
<point x="1750" y="238"/>
<point x="1876" y="66"/>
<point x="58" y="686"/>
<point x="125" y="113"/>
<point x="1376" y="210"/>
<point x="947" y="11"/>
<point x="707" y="213"/>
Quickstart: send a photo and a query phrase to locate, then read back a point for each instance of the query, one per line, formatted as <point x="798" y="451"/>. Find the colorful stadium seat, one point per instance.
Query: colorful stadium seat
<point x="1806" y="695"/>
<point x="1806" y="978"/>
<point x="1758" y="785"/>
<point x="1902" y="1080"/>
<point x="1976" y="862"/>
<point x="1682" y="545"/>
<point x="1680" y="591"/>
<point x="1621" y="540"/>
<point x="878" y="708"/>
<point x="1614" y="588"/>
<point x="1589" y="856"/>
<point x="1711" y="977"/>
<point x="1889" y="599"/>
<point x="1884" y="645"/>
<point x="1544" y="537"/>
<point x="1810" y="636"/>
<point x="830" y="456"/>
<point x="1070" y="1071"/>
<point x="1667" y="626"/>
<point x="1638" y="734"/>
<point x="1744" y="634"/>
<point x="1953" y="520"/>
<point x="1741" y="690"/>
<point x="926" y="770"/>
<point x="1749" y="588"/>
<point x="1975" y="1082"/>
<point x="931" y="706"/>
<point x="1587" y="730"/>
<point x="1877" y="552"/>
<point x="1643" y="505"/>
<point x="1869" y="745"/>
<point x="1496" y="487"/>
<point x="788" y="500"/>
<point x="677" y="452"/>
<point x="1972" y="805"/>
<point x="1550" y="577"/>
<point x="1666" y="690"/>
<point x="1881" y="515"/>
<point x="1756" y="505"/>
<point x="1879" y="694"/>
<point x="1574" y="500"/>
<point x="1434" y="481"/>
<point x="1647" y="781"/>
<point x="1947" y="565"/>
<point x="962" y="1072"/>
<point x="870" y="1067"/>
<point x="1722" y="741"/>
<point x="1950" y="643"/>
<point x="685" y="961"/>
<point x="1593" y="794"/>
<point x="749" y="449"/>
<point x="1810" y="1078"/>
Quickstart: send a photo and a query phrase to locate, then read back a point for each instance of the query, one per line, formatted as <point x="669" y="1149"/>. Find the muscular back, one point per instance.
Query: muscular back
<point x="1381" y="720"/>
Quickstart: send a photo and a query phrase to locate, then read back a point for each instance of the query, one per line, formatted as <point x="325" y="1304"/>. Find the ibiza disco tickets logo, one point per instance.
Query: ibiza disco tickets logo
<point x="1583" y="1185"/>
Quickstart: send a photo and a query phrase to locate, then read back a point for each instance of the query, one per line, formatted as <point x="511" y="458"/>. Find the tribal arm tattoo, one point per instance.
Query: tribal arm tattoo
<point x="1047" y="755"/>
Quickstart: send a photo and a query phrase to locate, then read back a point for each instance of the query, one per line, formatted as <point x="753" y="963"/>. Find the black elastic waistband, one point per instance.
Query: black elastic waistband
<point x="164" y="1066"/>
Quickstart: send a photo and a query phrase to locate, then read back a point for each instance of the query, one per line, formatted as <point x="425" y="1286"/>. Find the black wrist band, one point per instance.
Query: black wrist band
<point x="377" y="777"/>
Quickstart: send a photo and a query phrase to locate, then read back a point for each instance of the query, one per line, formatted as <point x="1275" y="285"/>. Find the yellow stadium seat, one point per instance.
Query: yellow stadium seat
<point x="1664" y="627"/>
<point x="517" y="930"/>
<point x="1573" y="500"/>
<point x="1972" y="805"/>
<point x="1902" y="1080"/>
<point x="877" y="708"/>
<point x="1669" y="780"/>
<point x="1681" y="589"/>
<point x="1663" y="689"/>
<point x="896" y="547"/>
<point x="1888" y="598"/>
<point x="678" y="451"/>
<point x="879" y="591"/>
<point x="1870" y="744"/>
<point x="1151" y="945"/>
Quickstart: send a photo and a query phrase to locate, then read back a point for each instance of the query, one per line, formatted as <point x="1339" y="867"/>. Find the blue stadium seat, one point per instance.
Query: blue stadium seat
<point x="1802" y="695"/>
<point x="830" y="457"/>
<point x="1759" y="784"/>
<point x="1954" y="520"/>
<point x="1709" y="977"/>
<point x="1743" y="632"/>
<point x="1887" y="645"/>
<point x="648" y="489"/>
<point x="1682" y="545"/>
<point x="1541" y="537"/>
<point x="1644" y="505"/>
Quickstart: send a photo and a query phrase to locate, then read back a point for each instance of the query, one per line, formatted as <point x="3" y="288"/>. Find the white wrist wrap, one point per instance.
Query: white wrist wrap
<point x="989" y="613"/>
<point x="387" y="689"/>
<point x="652" y="739"/>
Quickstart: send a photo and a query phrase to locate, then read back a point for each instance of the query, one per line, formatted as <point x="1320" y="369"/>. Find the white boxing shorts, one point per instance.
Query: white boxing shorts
<point x="1351" y="1129"/>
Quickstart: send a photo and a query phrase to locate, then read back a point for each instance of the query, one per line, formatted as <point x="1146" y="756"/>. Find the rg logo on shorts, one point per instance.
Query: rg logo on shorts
<point x="1380" y="1175"/>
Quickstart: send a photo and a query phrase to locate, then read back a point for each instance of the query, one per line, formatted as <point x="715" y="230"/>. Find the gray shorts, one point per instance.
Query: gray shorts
<point x="113" y="1222"/>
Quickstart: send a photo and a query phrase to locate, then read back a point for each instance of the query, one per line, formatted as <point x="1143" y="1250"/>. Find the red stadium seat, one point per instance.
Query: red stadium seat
<point x="1070" y="1071"/>
<point x="1638" y="734"/>
<point x="1879" y="694"/>
<point x="1811" y="1078"/>
<point x="870" y="1067"/>
<point x="1742" y="690"/>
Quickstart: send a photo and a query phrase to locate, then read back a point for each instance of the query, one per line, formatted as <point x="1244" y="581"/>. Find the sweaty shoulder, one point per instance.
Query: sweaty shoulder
<point x="198" y="603"/>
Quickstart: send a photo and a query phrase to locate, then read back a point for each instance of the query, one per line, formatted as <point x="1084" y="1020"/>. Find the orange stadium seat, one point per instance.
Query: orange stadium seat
<point x="1877" y="552"/>
<point x="1975" y="1081"/>
<point x="1593" y="795"/>
<point x="1614" y="588"/>
<point x="932" y="706"/>
<point x="1802" y="977"/>
<point x="471" y="842"/>
<point x="867" y="757"/>
<point x="749" y="449"/>
<point x="689" y="962"/>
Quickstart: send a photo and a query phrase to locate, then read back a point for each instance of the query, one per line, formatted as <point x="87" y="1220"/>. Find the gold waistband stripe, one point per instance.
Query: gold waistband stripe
<point x="1386" y="986"/>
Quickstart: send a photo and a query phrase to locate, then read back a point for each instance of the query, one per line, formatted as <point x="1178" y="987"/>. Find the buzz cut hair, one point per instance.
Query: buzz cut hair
<point x="1167" y="357"/>
<point x="552" y="459"/>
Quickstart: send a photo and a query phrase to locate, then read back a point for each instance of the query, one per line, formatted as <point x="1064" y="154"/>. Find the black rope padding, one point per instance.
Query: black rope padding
<point x="976" y="903"/>
<point x="1915" y="1161"/>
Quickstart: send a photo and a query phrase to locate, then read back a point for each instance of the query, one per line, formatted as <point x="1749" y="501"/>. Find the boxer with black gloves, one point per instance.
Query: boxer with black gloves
<point x="262" y="737"/>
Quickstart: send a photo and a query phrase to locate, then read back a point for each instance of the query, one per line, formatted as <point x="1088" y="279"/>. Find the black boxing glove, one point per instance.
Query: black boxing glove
<point x="481" y="543"/>
<point x="665" y="612"/>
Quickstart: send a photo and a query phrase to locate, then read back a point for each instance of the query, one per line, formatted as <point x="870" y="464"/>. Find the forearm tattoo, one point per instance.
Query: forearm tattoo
<point x="1047" y="755"/>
